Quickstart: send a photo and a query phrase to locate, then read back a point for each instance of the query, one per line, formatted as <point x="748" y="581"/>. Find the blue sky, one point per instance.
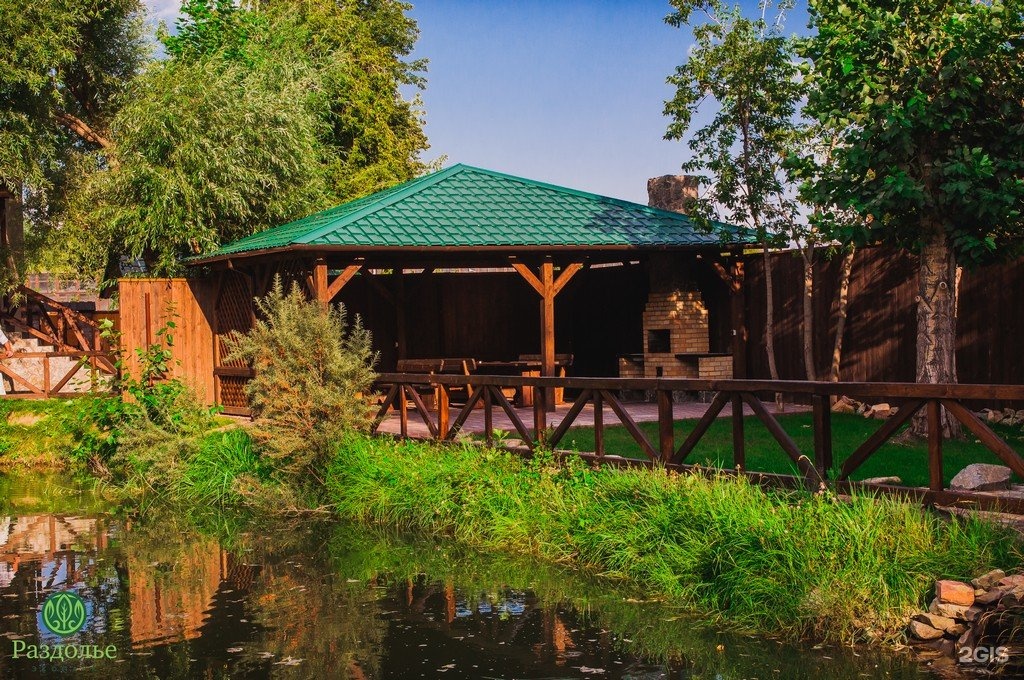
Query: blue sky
<point x="563" y="91"/>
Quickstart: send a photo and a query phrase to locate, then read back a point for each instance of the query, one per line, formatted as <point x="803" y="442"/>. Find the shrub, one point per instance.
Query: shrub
<point x="313" y="373"/>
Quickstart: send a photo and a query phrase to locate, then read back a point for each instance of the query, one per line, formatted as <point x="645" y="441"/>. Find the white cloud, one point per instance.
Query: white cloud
<point x="163" y="10"/>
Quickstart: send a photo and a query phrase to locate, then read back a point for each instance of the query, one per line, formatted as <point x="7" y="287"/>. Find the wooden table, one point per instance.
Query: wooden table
<point x="526" y="368"/>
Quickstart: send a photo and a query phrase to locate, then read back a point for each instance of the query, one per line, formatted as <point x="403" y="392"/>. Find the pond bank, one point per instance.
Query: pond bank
<point x="237" y="596"/>
<point x="787" y="564"/>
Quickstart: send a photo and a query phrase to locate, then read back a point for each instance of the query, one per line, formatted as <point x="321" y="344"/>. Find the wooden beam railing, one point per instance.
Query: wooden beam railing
<point x="45" y="383"/>
<point x="814" y="470"/>
<point x="56" y="324"/>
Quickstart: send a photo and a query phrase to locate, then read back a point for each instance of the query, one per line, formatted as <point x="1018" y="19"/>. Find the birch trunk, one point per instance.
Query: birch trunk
<point x="936" y="326"/>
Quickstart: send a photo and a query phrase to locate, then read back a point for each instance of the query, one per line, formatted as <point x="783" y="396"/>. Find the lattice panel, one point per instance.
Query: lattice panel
<point x="234" y="313"/>
<point x="232" y="392"/>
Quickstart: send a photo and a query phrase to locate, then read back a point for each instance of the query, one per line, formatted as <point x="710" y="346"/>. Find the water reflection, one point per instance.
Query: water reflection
<point x="327" y="601"/>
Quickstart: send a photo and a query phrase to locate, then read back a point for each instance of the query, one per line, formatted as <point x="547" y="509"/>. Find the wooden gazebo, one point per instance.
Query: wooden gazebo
<point x="458" y="220"/>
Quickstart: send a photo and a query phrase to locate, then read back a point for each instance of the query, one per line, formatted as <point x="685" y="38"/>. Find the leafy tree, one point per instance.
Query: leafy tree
<point x="209" y="151"/>
<point x="748" y="68"/>
<point x="63" y="66"/>
<point x="929" y="99"/>
<point x="313" y="374"/>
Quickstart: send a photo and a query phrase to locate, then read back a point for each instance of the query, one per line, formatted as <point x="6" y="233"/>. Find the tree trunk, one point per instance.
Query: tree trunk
<point x="810" y="369"/>
<point x="936" y="327"/>
<point x="769" y="325"/>
<point x="842" y="300"/>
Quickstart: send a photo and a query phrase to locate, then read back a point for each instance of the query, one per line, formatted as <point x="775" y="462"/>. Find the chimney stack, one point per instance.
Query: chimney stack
<point x="672" y="192"/>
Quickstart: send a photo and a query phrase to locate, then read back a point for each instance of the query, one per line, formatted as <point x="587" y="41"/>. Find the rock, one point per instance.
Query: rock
<point x="882" y="480"/>
<point x="878" y="411"/>
<point x="951" y="611"/>
<point x="844" y="405"/>
<point x="972" y="613"/>
<point x="514" y="443"/>
<point x="982" y="477"/>
<point x="1011" y="581"/>
<point x="922" y="631"/>
<point x="988" y="580"/>
<point x="956" y="630"/>
<point x="993" y="595"/>
<point x="992" y="416"/>
<point x="954" y="592"/>
<point x="939" y="622"/>
<point x="1010" y="600"/>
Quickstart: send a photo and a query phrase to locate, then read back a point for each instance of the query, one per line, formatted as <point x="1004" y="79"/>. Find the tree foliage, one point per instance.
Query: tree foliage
<point x="64" y="65"/>
<point x="209" y="151"/>
<point x="747" y="67"/>
<point x="261" y="112"/>
<point x="313" y="373"/>
<point x="929" y="99"/>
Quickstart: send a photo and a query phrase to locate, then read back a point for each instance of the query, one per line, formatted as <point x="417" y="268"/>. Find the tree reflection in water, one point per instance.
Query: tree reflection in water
<point x="218" y="596"/>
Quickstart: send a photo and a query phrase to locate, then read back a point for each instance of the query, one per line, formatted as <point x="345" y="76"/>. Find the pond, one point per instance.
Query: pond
<point x="217" y="597"/>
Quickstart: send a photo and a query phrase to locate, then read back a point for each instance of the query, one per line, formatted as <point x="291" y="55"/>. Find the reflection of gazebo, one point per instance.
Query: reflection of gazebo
<point x="446" y="265"/>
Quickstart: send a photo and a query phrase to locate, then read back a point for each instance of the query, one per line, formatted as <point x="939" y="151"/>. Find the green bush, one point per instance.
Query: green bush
<point x="313" y="374"/>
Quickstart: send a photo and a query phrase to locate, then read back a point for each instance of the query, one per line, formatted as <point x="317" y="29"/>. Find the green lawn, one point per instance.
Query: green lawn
<point x="909" y="462"/>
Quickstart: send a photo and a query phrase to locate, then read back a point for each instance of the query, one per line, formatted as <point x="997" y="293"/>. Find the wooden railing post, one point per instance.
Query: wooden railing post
<point x="540" y="415"/>
<point x="403" y="412"/>
<point x="739" y="445"/>
<point x="488" y="416"/>
<point x="598" y="424"/>
<point x="443" y="413"/>
<point x="46" y="374"/>
<point x="666" y="430"/>
<point x="822" y="434"/>
<point x="935" y="445"/>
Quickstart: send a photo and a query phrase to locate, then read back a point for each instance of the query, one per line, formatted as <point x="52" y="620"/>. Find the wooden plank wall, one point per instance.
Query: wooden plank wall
<point x="147" y="304"/>
<point x="880" y="341"/>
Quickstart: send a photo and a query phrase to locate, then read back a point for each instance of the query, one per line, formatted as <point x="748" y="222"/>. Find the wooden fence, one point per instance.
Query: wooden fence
<point x="149" y="304"/>
<point x="445" y="422"/>
<point x="881" y="332"/>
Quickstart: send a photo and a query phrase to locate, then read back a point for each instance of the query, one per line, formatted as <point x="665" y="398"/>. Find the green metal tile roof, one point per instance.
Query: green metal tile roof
<point x="463" y="206"/>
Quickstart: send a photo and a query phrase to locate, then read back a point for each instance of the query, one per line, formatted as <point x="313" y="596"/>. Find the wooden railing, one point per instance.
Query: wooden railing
<point x="54" y="323"/>
<point x="445" y="421"/>
<point x="52" y="383"/>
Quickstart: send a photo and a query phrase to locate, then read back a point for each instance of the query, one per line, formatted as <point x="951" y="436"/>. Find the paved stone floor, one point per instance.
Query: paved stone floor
<point x="640" y="412"/>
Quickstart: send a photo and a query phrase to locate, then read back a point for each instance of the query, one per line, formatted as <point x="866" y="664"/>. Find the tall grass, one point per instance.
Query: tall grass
<point x="790" y="563"/>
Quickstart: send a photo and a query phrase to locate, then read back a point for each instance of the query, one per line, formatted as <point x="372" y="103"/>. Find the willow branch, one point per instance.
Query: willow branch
<point x="82" y="129"/>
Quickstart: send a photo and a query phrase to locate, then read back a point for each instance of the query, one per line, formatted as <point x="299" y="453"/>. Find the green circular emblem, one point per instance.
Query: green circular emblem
<point x="64" y="613"/>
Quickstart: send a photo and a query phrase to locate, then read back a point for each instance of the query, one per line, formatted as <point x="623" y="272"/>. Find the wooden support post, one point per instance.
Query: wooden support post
<point x="666" y="430"/>
<point x="936" y="481"/>
<point x="401" y="341"/>
<point x="320" y="282"/>
<point x="737" y="312"/>
<point x="822" y="434"/>
<point x="739" y="445"/>
<point x="598" y="424"/>
<point x="547" y="287"/>
<point x="547" y="329"/>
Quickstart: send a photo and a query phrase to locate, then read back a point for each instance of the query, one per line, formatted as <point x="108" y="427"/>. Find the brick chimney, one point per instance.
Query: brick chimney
<point x="671" y="192"/>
